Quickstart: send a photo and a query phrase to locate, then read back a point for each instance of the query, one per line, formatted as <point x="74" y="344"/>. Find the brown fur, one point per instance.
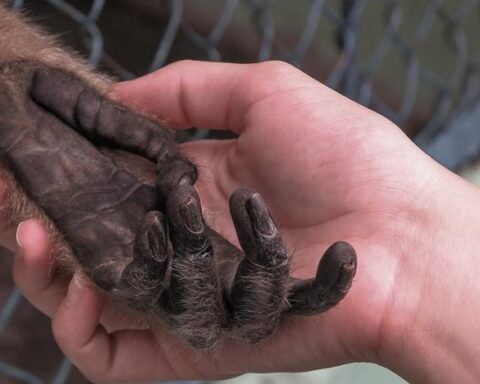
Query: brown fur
<point x="22" y="40"/>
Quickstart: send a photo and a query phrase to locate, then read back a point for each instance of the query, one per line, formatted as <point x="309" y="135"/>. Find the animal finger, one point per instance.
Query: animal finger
<point x="101" y="119"/>
<point x="259" y="294"/>
<point x="144" y="278"/>
<point x="196" y="301"/>
<point x="333" y="280"/>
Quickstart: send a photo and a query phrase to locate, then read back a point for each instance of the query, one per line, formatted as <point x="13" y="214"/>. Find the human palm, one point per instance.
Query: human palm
<point x="328" y="169"/>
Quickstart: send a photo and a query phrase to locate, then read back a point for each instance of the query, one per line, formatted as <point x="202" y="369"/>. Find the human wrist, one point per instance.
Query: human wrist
<point x="429" y="332"/>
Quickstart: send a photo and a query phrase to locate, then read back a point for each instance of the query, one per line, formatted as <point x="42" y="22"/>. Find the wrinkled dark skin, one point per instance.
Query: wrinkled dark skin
<point x="145" y="244"/>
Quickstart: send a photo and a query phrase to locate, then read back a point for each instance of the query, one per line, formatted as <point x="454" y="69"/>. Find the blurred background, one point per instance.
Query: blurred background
<point x="415" y="61"/>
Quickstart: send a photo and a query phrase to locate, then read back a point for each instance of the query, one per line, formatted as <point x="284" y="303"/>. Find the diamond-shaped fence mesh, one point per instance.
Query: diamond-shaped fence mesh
<point x="416" y="62"/>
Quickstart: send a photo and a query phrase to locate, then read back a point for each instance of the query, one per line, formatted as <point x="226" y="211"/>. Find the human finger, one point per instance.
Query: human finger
<point x="123" y="356"/>
<point x="208" y="95"/>
<point x="32" y="268"/>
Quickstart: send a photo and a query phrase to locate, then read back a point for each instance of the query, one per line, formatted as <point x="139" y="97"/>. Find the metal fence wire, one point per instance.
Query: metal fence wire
<point x="415" y="61"/>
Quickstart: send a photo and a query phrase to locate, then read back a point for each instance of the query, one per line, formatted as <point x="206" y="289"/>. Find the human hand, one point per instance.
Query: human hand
<point x="330" y="170"/>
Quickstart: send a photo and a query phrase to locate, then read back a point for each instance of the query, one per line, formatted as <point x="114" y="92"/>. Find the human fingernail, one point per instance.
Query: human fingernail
<point x="73" y="294"/>
<point x="18" y="235"/>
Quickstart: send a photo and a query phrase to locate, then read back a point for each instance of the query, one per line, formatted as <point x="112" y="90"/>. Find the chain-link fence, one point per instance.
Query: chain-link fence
<point x="415" y="61"/>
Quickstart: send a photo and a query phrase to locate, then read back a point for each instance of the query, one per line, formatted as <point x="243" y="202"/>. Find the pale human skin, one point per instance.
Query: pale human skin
<point x="330" y="170"/>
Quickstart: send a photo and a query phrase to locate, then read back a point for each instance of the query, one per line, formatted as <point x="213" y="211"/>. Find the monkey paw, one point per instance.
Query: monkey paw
<point x="140" y="236"/>
<point x="215" y="289"/>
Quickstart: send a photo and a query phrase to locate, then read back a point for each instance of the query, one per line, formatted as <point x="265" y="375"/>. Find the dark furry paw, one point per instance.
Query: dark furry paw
<point x="121" y="195"/>
<point x="216" y="289"/>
